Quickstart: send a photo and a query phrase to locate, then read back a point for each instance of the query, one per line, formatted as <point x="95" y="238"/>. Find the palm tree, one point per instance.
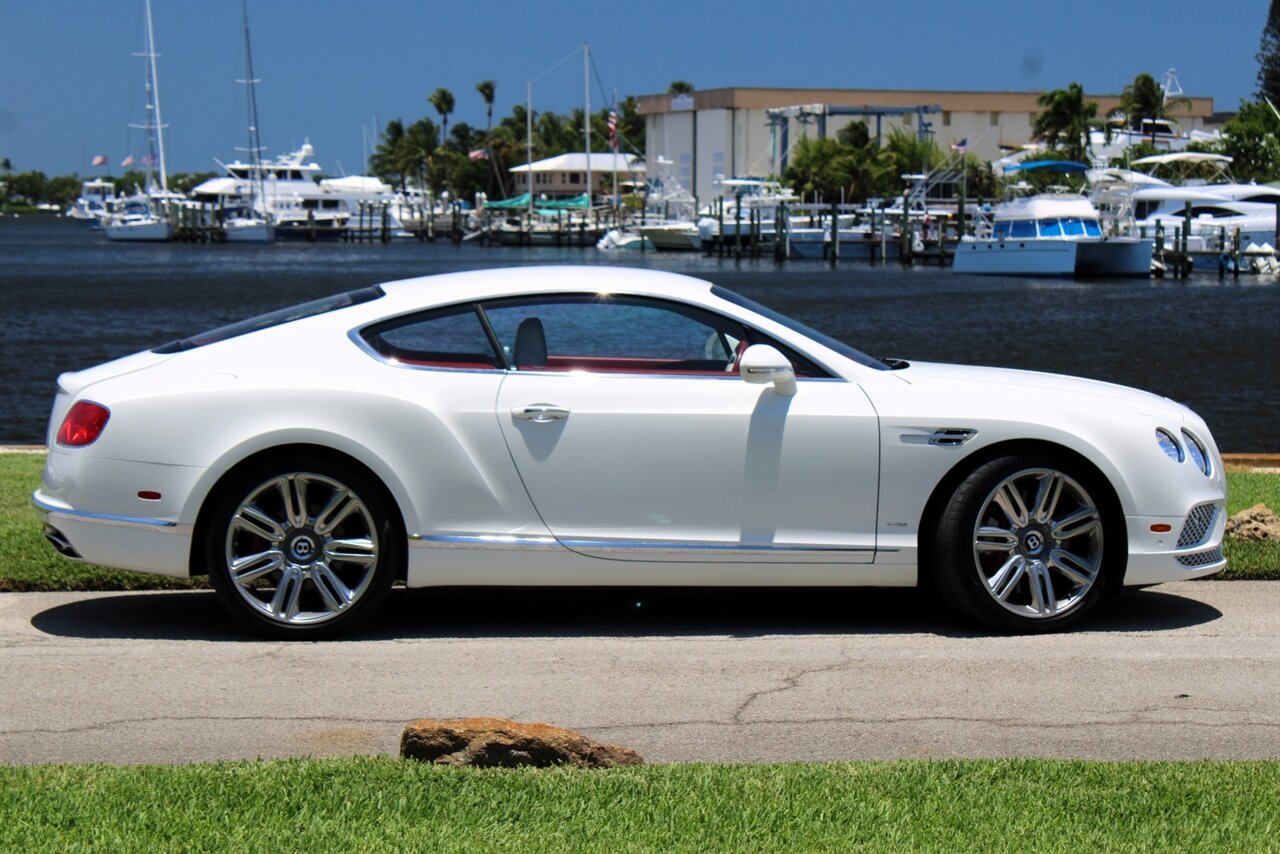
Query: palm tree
<point x="1066" y="120"/>
<point x="680" y="87"/>
<point x="442" y="100"/>
<point x="385" y="160"/>
<point x="487" y="88"/>
<point x="1144" y="98"/>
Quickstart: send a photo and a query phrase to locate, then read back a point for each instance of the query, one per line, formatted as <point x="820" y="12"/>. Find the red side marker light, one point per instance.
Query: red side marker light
<point x="83" y="424"/>
<point x="1161" y="529"/>
<point x="149" y="495"/>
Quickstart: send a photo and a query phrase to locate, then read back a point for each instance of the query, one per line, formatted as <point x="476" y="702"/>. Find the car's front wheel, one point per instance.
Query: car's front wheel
<point x="303" y="548"/>
<point x="1026" y="544"/>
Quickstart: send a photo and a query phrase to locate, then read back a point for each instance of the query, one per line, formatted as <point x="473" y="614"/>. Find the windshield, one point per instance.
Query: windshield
<point x="275" y="318"/>
<point x="796" y="326"/>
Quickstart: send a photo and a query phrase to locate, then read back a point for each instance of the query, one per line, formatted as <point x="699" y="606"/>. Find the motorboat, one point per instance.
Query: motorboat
<point x="1051" y="234"/>
<point x="92" y="206"/>
<point x="750" y="204"/>
<point x="141" y="218"/>
<point x="672" y="235"/>
<point x="1215" y="211"/>
<point x="624" y="240"/>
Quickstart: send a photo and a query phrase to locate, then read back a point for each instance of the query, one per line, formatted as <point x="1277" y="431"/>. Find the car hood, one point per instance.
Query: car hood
<point x="926" y="373"/>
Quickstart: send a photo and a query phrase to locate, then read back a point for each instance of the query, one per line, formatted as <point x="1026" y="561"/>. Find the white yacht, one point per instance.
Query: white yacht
<point x="93" y="205"/>
<point x="1217" y="211"/>
<point x="749" y="203"/>
<point x="1051" y="234"/>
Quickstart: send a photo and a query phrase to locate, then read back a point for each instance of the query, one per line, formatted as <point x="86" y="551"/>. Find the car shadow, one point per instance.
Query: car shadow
<point x="528" y="613"/>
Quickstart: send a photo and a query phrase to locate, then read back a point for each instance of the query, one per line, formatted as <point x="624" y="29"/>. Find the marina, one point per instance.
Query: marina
<point x="72" y="301"/>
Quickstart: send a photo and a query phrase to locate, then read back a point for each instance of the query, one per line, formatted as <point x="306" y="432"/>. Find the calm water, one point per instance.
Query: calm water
<point x="70" y="299"/>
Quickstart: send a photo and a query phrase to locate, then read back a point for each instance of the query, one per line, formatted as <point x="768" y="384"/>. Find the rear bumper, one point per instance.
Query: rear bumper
<point x="125" y="542"/>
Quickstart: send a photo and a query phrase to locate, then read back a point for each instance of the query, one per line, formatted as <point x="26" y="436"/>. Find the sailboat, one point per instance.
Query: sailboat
<point x="145" y="216"/>
<point x="252" y="224"/>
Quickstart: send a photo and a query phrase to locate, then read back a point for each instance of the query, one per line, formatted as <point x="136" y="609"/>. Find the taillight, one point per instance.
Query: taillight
<point x="83" y="424"/>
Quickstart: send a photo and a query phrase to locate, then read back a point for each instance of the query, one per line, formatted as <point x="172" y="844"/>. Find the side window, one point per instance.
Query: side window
<point x="1023" y="228"/>
<point x="615" y="335"/>
<point x="1050" y="228"/>
<point x="452" y="338"/>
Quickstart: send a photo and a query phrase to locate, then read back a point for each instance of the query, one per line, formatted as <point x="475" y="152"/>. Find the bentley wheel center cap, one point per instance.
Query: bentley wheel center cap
<point x="303" y="549"/>
<point x="1033" y="542"/>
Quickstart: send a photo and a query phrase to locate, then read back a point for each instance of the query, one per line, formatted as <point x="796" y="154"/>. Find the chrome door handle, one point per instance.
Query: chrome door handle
<point x="540" y="413"/>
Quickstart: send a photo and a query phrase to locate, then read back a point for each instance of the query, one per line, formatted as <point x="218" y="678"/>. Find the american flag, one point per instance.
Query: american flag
<point x="961" y="147"/>
<point x="613" y="128"/>
<point x="128" y="161"/>
<point x="478" y="154"/>
<point x="100" y="160"/>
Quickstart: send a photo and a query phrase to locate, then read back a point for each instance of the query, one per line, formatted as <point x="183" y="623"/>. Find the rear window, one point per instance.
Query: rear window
<point x="323" y="305"/>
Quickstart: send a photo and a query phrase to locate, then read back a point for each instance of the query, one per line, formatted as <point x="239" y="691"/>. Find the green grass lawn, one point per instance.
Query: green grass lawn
<point x="387" y="804"/>
<point x="28" y="563"/>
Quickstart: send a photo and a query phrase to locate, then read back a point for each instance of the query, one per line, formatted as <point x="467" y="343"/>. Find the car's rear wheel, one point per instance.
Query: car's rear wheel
<point x="1027" y="544"/>
<point x="303" y="548"/>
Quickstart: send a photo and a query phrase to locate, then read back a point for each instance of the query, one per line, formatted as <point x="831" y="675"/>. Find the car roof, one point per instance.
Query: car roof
<point x="516" y="281"/>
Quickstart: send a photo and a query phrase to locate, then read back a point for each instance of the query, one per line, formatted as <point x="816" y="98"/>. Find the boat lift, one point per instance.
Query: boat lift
<point x="805" y="114"/>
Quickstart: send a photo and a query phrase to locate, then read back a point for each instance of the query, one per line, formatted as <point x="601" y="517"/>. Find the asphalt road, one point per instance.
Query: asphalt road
<point x="1183" y="671"/>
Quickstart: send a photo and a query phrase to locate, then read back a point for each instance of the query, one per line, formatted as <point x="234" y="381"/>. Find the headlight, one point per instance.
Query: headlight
<point x="1199" y="455"/>
<point x="1170" y="445"/>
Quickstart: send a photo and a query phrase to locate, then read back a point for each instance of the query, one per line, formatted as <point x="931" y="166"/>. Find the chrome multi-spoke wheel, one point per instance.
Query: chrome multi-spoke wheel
<point x="302" y="549"/>
<point x="1037" y="544"/>
<point x="1021" y="545"/>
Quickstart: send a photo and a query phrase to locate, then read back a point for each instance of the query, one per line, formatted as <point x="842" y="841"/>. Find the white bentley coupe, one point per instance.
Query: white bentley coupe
<point x="596" y="426"/>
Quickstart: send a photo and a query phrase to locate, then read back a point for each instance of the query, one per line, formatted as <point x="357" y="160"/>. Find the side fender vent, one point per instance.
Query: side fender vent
<point x="949" y="436"/>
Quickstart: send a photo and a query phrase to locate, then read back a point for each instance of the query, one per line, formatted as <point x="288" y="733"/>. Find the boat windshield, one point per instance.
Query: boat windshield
<point x="796" y="326"/>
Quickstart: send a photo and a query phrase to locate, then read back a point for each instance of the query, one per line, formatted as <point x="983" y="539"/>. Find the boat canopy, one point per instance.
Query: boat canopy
<point x="576" y="203"/>
<point x="521" y="202"/>
<point x="515" y="202"/>
<point x="1182" y="157"/>
<point x="1052" y="166"/>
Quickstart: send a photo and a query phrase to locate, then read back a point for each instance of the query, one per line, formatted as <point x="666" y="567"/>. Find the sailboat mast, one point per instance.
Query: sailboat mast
<point x="155" y="97"/>
<point x="255" y="139"/>
<point x="528" y="147"/>
<point x="586" y="110"/>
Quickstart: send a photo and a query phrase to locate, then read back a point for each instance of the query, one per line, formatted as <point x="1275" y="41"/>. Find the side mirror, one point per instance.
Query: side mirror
<point x="761" y="363"/>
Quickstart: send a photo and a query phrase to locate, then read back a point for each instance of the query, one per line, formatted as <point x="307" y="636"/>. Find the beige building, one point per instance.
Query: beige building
<point x="730" y="132"/>
<point x="565" y="175"/>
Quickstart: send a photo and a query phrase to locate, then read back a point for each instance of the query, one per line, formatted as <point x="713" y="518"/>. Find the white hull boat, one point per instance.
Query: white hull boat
<point x="1051" y="234"/>
<point x="139" y="227"/>
<point x="249" y="230"/>
<point x="673" y="236"/>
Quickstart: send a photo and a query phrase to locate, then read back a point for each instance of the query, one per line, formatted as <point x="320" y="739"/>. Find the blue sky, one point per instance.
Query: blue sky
<point x="331" y="69"/>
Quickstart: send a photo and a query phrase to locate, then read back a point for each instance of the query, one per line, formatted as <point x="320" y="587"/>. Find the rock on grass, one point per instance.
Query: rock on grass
<point x="495" y="742"/>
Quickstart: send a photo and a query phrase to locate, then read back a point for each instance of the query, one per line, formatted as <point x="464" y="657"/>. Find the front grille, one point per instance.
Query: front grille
<point x="1195" y="530"/>
<point x="1201" y="558"/>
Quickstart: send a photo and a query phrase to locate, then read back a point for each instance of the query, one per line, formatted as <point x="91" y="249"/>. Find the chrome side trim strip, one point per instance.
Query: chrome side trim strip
<point x="105" y="518"/>
<point x="491" y="541"/>
<point x="724" y="548"/>
<point x="520" y="542"/>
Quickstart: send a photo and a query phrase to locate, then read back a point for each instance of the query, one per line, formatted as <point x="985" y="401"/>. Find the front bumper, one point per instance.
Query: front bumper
<point x="1191" y="549"/>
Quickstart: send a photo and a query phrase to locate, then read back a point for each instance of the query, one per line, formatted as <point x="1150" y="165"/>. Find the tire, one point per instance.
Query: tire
<point x="303" y="547"/>
<point x="1027" y="544"/>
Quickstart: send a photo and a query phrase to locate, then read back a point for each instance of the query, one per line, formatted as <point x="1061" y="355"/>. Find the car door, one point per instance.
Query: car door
<point x="637" y="439"/>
